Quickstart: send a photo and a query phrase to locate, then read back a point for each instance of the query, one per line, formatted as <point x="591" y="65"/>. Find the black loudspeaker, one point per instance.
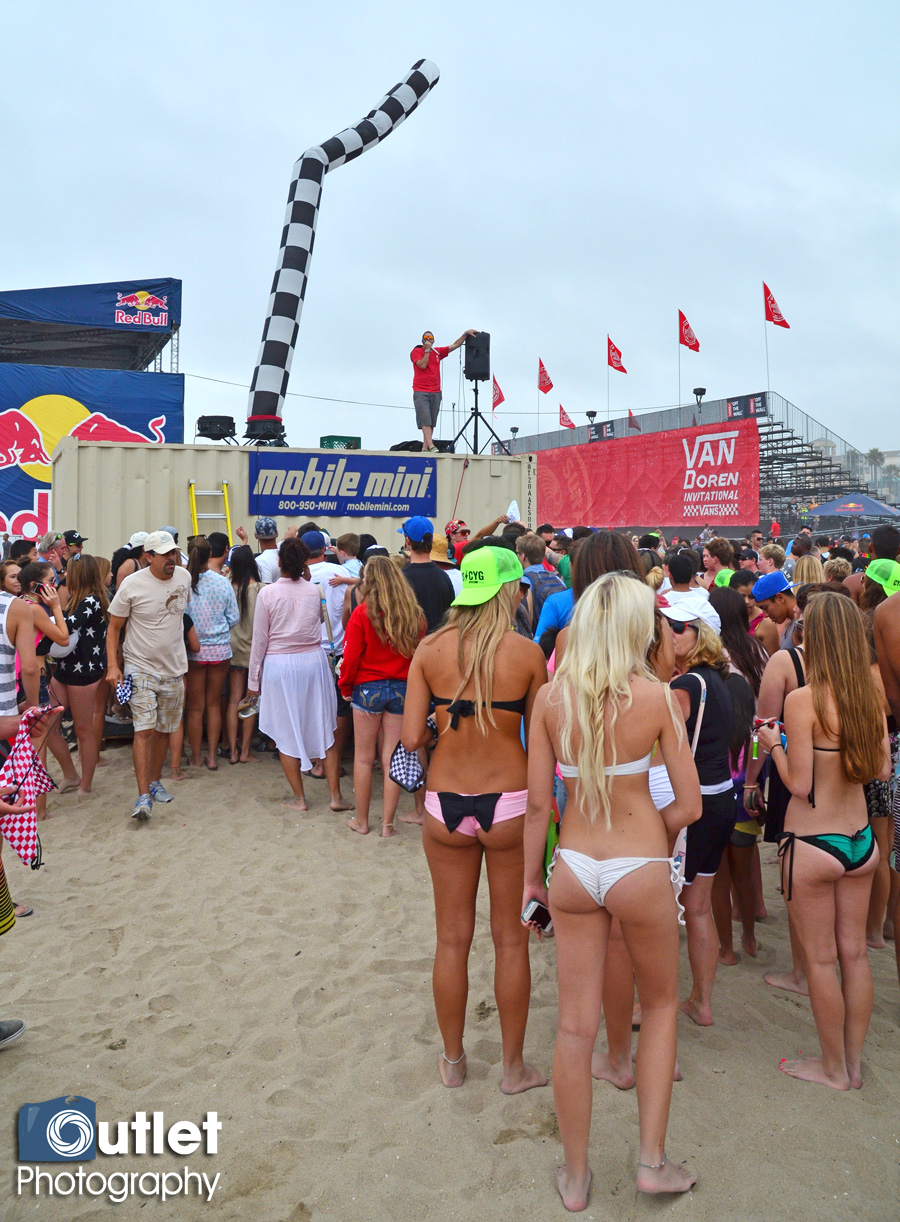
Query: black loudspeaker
<point x="478" y="357"/>
<point x="445" y="447"/>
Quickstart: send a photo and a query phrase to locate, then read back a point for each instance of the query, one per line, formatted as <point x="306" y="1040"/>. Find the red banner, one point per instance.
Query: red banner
<point x="682" y="477"/>
<point x="773" y="314"/>
<point x="614" y="356"/>
<point x="686" y="334"/>
<point x="544" y="383"/>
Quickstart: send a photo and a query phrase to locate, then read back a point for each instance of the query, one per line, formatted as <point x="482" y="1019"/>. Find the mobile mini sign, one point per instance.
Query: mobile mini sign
<point x="341" y="485"/>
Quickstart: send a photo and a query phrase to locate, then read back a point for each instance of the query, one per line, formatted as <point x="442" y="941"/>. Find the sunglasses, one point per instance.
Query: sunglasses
<point x="462" y="532"/>
<point x="678" y="626"/>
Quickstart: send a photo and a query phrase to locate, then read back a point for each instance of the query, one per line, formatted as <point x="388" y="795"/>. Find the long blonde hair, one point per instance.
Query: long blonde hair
<point x="808" y="569"/>
<point x="708" y="650"/>
<point x="837" y="664"/>
<point x="610" y="636"/>
<point x="392" y="607"/>
<point x="480" y="630"/>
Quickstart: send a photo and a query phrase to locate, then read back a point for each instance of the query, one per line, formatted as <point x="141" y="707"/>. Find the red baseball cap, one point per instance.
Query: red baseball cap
<point x="453" y="526"/>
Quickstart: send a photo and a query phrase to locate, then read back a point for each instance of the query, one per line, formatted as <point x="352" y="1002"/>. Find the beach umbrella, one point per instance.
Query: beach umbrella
<point x="855" y="504"/>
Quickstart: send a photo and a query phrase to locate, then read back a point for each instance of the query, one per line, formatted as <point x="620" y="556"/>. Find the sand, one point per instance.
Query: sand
<point x="273" y="967"/>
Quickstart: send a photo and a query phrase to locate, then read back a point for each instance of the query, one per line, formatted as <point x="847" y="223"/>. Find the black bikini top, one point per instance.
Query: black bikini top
<point x="466" y="708"/>
<point x="812" y="788"/>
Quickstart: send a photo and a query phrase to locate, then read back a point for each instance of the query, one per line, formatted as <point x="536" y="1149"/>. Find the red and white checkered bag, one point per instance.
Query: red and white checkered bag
<point x="24" y="770"/>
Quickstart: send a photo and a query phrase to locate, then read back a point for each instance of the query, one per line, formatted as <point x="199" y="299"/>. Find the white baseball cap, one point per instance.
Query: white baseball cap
<point x="137" y="539"/>
<point x="160" y="541"/>
<point x="693" y="606"/>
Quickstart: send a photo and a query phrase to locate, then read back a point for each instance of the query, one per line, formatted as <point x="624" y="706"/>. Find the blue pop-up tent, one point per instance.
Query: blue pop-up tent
<point x="856" y="504"/>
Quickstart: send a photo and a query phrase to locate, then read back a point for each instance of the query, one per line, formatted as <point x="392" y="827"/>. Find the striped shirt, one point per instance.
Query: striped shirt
<point x="8" y="704"/>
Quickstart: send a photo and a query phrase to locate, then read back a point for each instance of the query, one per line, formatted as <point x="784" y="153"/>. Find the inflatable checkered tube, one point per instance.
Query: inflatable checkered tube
<point x="273" y="367"/>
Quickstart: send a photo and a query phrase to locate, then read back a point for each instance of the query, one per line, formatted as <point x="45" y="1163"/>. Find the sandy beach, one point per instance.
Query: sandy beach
<point x="237" y="957"/>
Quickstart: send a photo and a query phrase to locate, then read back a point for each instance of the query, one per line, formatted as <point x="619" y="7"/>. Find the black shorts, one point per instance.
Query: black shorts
<point x="708" y="838"/>
<point x="344" y="707"/>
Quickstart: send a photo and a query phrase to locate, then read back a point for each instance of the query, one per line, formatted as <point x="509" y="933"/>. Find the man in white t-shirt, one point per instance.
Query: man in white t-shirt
<point x="151" y="602"/>
<point x="266" y="531"/>
<point x="321" y="572"/>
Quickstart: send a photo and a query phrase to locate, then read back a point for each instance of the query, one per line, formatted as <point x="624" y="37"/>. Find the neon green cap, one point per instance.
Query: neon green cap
<point x="886" y="573"/>
<point x="723" y="577"/>
<point x="484" y="571"/>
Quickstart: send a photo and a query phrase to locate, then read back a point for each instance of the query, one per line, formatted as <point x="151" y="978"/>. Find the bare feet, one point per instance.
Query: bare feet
<point x="388" y="830"/>
<point x="875" y="941"/>
<point x="295" y="803"/>
<point x="574" y="1193"/>
<point x="249" y="759"/>
<point x="668" y="1178"/>
<point x="176" y="774"/>
<point x="727" y="957"/>
<point x="452" y="1074"/>
<point x="340" y="805"/>
<point x="602" y="1069"/>
<point x="811" y="1069"/>
<point x="356" y="826"/>
<point x="750" y="945"/>
<point x="212" y="764"/>
<point x="83" y="792"/>
<point x="702" y="1016"/>
<point x="192" y="764"/>
<point x="68" y="786"/>
<point x="787" y="981"/>
<point x="761" y="912"/>
<point x="415" y="817"/>
<point x="515" y="1082"/>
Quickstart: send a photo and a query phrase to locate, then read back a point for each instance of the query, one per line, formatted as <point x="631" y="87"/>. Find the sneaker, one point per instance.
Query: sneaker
<point x="10" y="1029"/>
<point x="143" y="808"/>
<point x="159" y="793"/>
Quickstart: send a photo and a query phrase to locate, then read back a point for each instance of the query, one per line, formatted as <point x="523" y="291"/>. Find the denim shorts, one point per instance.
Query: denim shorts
<point x="383" y="696"/>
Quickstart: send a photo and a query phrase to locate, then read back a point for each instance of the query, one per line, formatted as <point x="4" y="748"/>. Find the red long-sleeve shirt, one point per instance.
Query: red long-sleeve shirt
<point x="367" y="658"/>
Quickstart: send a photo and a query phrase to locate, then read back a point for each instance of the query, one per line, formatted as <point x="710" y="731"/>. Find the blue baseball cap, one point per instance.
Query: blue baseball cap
<point x="770" y="585"/>
<point x="266" y="528"/>
<point x="416" y="529"/>
<point x="314" y="540"/>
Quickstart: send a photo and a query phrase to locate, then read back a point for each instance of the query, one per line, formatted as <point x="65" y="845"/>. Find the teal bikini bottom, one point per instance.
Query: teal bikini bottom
<point x="851" y="851"/>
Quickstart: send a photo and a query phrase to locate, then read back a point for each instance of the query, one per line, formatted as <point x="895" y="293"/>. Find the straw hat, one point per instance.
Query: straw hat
<point x="439" y="551"/>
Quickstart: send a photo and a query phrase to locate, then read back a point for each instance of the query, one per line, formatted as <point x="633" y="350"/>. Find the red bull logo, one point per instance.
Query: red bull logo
<point x="100" y="427"/>
<point x="143" y="303"/>
<point x="21" y="441"/>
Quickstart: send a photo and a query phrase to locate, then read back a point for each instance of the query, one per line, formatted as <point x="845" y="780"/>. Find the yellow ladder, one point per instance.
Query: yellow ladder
<point x="197" y="518"/>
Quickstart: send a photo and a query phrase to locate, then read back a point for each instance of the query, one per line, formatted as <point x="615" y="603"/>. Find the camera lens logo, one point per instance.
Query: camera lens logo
<point x="70" y="1120"/>
<point x="58" y="1130"/>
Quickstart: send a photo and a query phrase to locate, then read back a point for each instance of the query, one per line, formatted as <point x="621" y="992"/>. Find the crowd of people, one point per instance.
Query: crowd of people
<point x="609" y="723"/>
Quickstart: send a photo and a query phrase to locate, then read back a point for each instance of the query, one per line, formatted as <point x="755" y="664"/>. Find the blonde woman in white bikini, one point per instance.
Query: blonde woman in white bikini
<point x="600" y="719"/>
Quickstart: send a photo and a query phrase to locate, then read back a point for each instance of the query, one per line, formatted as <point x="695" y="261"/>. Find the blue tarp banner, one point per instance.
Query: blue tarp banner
<point x="342" y="484"/>
<point x="39" y="404"/>
<point x="143" y="305"/>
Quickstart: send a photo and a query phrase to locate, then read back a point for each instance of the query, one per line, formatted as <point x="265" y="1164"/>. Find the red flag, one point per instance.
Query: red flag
<point x="773" y="314"/>
<point x="499" y="397"/>
<point x="633" y="422"/>
<point x="564" y="420"/>
<point x="614" y="356"/>
<point x="544" y="383"/>
<point x="686" y="335"/>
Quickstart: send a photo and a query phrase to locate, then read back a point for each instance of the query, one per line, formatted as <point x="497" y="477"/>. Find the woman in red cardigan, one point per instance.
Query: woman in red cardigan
<point x="379" y="642"/>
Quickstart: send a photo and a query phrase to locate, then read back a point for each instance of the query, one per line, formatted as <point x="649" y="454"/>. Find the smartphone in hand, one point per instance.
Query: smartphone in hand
<point x="538" y="914"/>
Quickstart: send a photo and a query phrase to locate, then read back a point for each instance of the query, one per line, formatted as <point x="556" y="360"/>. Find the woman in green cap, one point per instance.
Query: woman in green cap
<point x="482" y="678"/>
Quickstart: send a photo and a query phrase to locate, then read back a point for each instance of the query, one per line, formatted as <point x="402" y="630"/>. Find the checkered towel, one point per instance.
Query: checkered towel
<point x="23" y="770"/>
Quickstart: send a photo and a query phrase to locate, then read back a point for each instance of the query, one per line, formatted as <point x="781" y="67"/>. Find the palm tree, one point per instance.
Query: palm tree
<point x="875" y="456"/>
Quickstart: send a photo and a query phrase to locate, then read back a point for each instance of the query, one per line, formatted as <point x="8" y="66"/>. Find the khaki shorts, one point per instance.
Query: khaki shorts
<point x="156" y="702"/>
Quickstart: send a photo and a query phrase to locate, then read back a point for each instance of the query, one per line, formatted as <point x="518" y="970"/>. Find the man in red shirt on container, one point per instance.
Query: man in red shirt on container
<point x="426" y="361"/>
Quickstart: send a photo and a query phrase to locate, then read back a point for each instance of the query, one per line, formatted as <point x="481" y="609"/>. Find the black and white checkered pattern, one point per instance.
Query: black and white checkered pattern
<point x="273" y="367"/>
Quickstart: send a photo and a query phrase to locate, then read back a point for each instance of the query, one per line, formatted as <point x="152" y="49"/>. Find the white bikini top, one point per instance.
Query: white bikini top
<point x="632" y="768"/>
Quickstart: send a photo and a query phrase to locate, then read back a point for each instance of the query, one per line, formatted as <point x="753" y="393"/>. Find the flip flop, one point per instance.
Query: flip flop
<point x="27" y="912"/>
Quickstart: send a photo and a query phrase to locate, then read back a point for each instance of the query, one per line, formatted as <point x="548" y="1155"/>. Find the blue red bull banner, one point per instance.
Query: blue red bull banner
<point x="143" y="305"/>
<point x="341" y="484"/>
<point x="39" y="404"/>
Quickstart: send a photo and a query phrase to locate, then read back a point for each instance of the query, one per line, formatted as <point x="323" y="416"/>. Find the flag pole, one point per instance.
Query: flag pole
<point x="766" y="332"/>
<point x="679" y="373"/>
<point x="607" y="379"/>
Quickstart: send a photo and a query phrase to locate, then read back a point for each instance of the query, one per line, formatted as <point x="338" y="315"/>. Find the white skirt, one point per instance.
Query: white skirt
<point x="298" y="704"/>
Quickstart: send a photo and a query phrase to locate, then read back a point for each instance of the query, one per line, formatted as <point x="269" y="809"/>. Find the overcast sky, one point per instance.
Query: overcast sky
<point x="580" y="168"/>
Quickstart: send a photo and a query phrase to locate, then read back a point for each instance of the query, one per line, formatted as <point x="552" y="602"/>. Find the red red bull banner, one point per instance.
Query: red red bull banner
<point x="682" y="477"/>
<point x="40" y="404"/>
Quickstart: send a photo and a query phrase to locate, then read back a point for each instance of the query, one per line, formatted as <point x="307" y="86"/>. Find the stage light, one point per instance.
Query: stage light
<point x="699" y="392"/>
<point x="215" y="428"/>
<point x="592" y="416"/>
<point x="514" y="429"/>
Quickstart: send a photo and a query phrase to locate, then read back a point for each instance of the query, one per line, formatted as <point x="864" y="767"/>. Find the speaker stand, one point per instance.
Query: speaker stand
<point x="473" y="419"/>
